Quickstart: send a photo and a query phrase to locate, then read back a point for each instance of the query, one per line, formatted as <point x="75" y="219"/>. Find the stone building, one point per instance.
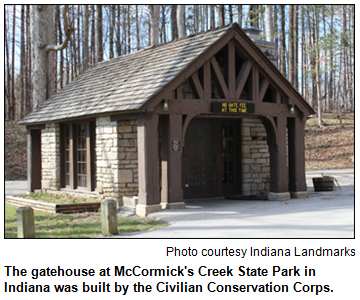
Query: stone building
<point x="205" y="116"/>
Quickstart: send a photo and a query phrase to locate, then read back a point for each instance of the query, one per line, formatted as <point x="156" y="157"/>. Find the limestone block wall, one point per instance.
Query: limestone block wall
<point x="116" y="159"/>
<point x="255" y="157"/>
<point x="50" y="157"/>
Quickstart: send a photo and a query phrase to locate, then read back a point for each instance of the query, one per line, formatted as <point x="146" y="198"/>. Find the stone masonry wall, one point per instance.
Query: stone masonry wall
<point x="116" y="159"/>
<point x="50" y="157"/>
<point x="255" y="157"/>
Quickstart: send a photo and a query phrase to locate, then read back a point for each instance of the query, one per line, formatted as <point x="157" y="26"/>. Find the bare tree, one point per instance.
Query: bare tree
<point x="180" y="18"/>
<point x="269" y="23"/>
<point x="174" y="33"/>
<point x="221" y="15"/>
<point x="154" y="12"/>
<point x="99" y="34"/>
<point x="282" y="43"/>
<point x="86" y="38"/>
<point x="212" y="16"/>
<point x="42" y="36"/>
<point x="317" y="62"/>
<point x="22" y="63"/>
<point x="137" y="28"/>
<point x="12" y="107"/>
<point x="111" y="34"/>
<point x="239" y="12"/>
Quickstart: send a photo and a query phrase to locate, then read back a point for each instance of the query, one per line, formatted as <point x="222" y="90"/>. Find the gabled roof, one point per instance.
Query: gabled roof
<point x="128" y="82"/>
<point x="123" y="83"/>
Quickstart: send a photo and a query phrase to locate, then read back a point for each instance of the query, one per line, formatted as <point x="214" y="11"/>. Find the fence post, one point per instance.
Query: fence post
<point x="25" y="222"/>
<point x="109" y="217"/>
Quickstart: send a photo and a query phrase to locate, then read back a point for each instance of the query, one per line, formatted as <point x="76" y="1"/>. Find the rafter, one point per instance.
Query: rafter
<point x="263" y="87"/>
<point x="220" y="77"/>
<point x="197" y="85"/>
<point x="242" y="77"/>
<point x="231" y="69"/>
<point x="179" y="92"/>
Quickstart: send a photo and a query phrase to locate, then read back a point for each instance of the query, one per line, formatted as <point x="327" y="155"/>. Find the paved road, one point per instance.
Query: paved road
<point x="322" y="215"/>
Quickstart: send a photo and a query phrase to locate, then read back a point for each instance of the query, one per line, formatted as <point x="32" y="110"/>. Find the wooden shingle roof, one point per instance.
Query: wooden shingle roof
<point x="124" y="83"/>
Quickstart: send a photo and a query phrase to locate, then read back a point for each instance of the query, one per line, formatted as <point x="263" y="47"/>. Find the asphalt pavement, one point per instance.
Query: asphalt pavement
<point x="322" y="215"/>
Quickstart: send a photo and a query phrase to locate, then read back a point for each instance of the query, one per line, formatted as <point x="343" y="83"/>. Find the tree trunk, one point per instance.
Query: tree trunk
<point x="99" y="33"/>
<point x="239" y="11"/>
<point x="129" y="28"/>
<point x="276" y="35"/>
<point x="269" y="23"/>
<point x="344" y="41"/>
<point x="212" y="16"/>
<point x="42" y="36"/>
<point x="331" y="81"/>
<point x="93" y="51"/>
<point x="86" y="38"/>
<point x="174" y="33"/>
<point x="303" y="82"/>
<point x="61" y="71"/>
<point x="111" y="37"/>
<point x="291" y="44"/>
<point x="28" y="70"/>
<point x="163" y="24"/>
<point x="316" y="29"/>
<point x="154" y="15"/>
<point x="13" y="100"/>
<point x="118" y="39"/>
<point x="283" y="44"/>
<point x="196" y="18"/>
<point x="296" y="46"/>
<point x="8" y="79"/>
<point x="22" y="63"/>
<point x="137" y="28"/>
<point x="231" y="16"/>
<point x="180" y="18"/>
<point x="221" y="15"/>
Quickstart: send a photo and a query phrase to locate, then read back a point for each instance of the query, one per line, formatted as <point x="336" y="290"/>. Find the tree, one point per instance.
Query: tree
<point x="174" y="31"/>
<point x="22" y="63"/>
<point x="99" y="34"/>
<point x="12" y="107"/>
<point x="154" y="14"/>
<point x="42" y="36"/>
<point x="221" y="15"/>
<point x="317" y="62"/>
<point x="86" y="38"/>
<point x="239" y="11"/>
<point x="212" y="16"/>
<point x="180" y="18"/>
<point x="282" y="43"/>
<point x="269" y="23"/>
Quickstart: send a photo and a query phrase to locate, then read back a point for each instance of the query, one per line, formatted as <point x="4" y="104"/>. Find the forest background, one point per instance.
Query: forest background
<point x="315" y="47"/>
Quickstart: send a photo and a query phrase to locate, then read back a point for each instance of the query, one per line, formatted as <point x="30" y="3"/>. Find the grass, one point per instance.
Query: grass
<point x="58" y="199"/>
<point x="85" y="225"/>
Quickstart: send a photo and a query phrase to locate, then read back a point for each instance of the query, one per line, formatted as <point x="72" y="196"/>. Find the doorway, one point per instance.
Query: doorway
<point x="212" y="158"/>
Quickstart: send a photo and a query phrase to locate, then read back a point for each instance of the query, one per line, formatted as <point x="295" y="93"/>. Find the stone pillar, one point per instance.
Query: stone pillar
<point x="50" y="156"/>
<point x="148" y="164"/>
<point x="109" y="217"/>
<point x="255" y="157"/>
<point x="297" y="180"/>
<point x="107" y="159"/>
<point x="25" y="222"/>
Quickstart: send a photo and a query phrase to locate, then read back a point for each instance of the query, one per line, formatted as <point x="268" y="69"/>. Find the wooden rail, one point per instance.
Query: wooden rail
<point x="52" y="207"/>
